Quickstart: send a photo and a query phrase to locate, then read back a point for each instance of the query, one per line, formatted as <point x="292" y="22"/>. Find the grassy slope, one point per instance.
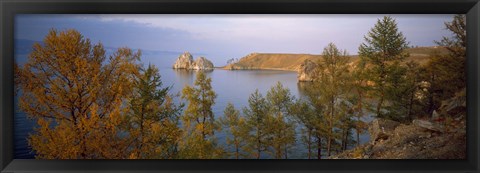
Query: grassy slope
<point x="291" y="62"/>
<point x="274" y="61"/>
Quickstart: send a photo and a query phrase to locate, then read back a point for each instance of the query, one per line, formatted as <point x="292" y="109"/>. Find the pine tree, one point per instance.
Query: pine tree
<point x="236" y="127"/>
<point x="448" y="69"/>
<point x="307" y="117"/>
<point x="406" y="80"/>
<point x="281" y="129"/>
<point x="153" y="120"/>
<point x="345" y="124"/>
<point x="332" y="82"/>
<point x="358" y="98"/>
<point x="382" y="52"/>
<point x="257" y="117"/>
<point x="198" y="120"/>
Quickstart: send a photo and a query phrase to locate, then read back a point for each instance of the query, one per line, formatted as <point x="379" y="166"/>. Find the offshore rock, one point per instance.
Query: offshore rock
<point x="202" y="63"/>
<point x="185" y="61"/>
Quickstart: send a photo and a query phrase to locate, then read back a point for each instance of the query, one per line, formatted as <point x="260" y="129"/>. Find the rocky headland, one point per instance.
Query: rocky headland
<point x="271" y="61"/>
<point x="306" y="71"/>
<point x="304" y="64"/>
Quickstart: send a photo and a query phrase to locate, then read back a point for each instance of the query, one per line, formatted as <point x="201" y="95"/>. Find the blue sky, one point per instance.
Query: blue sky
<point x="221" y="37"/>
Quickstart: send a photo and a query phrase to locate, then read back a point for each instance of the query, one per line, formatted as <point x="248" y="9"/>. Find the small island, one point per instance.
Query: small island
<point x="185" y="61"/>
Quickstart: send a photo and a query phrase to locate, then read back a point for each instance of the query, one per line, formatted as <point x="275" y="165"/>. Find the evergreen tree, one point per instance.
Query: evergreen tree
<point x="282" y="130"/>
<point x="312" y="126"/>
<point x="198" y="120"/>
<point x="331" y="81"/>
<point x="406" y="80"/>
<point x="382" y="52"/>
<point x="345" y="125"/>
<point x="236" y="127"/>
<point x="447" y="72"/>
<point x="257" y="117"/>
<point x="358" y="98"/>
<point x="153" y="121"/>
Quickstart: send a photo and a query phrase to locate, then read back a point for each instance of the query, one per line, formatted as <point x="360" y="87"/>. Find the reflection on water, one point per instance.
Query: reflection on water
<point x="302" y="88"/>
<point x="183" y="77"/>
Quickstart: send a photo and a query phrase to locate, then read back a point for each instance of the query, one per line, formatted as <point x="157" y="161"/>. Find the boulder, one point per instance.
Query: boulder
<point x="429" y="125"/>
<point x="184" y="61"/>
<point x="306" y="71"/>
<point x="381" y="129"/>
<point x="456" y="105"/>
<point x="202" y="64"/>
<point x="435" y="115"/>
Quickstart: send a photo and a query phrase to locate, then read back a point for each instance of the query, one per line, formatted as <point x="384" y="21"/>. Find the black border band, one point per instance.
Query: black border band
<point x="9" y="8"/>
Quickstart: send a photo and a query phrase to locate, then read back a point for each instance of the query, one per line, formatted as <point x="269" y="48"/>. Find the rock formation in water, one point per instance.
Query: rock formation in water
<point x="202" y="63"/>
<point x="306" y="71"/>
<point x="185" y="61"/>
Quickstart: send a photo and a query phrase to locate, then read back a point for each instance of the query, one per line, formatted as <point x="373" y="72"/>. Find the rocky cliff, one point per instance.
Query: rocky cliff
<point x="442" y="136"/>
<point x="185" y="61"/>
<point x="202" y="63"/>
<point x="306" y="71"/>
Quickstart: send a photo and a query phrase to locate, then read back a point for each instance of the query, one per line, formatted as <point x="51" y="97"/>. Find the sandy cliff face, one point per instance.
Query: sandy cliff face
<point x="185" y="61"/>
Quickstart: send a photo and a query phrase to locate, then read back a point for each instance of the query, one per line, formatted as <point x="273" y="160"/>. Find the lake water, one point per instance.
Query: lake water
<point x="230" y="86"/>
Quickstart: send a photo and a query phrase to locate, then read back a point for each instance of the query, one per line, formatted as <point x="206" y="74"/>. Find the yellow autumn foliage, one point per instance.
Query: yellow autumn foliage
<point x="75" y="92"/>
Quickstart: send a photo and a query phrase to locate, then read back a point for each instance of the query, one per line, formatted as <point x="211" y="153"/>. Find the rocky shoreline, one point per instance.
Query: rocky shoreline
<point x="440" y="137"/>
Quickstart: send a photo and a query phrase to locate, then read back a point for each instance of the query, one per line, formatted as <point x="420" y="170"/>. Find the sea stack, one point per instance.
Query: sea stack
<point x="185" y="61"/>
<point x="202" y="63"/>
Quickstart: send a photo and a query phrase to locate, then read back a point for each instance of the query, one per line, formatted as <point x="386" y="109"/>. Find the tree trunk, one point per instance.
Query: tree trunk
<point x="140" y="144"/>
<point x="431" y="98"/>
<point x="410" y="107"/>
<point x="347" y="133"/>
<point x="344" y="141"/>
<point x="330" y="127"/>
<point x="329" y="143"/>
<point x="379" y="106"/>
<point x="236" y="150"/>
<point x="259" y="143"/>
<point x="360" y="115"/>
<point x="309" y="143"/>
<point x="319" y="150"/>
